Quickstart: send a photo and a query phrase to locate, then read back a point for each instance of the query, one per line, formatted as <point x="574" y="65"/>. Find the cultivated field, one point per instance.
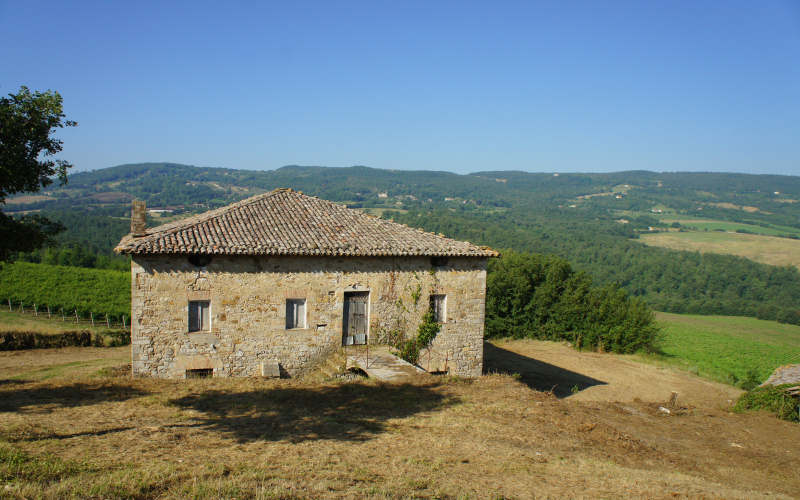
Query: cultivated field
<point x="720" y="225"/>
<point x="764" y="249"/>
<point x="97" y="291"/>
<point x="726" y="348"/>
<point x="17" y="322"/>
<point x="73" y="424"/>
<point x="28" y="198"/>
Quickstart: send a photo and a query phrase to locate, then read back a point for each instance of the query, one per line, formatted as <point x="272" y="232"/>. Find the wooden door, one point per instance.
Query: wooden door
<point x="355" y="318"/>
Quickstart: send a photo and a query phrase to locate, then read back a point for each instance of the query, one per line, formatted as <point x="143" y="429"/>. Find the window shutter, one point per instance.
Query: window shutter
<point x="199" y="316"/>
<point x="289" y="314"/>
<point x="193" y="317"/>
<point x="295" y="313"/>
<point x="437" y="307"/>
<point x="301" y="314"/>
<point x="205" y="322"/>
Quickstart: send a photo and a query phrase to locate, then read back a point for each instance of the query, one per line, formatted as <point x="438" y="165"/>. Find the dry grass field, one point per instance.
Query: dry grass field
<point x="27" y="198"/>
<point x="16" y="322"/>
<point x="765" y="249"/>
<point x="72" y="424"/>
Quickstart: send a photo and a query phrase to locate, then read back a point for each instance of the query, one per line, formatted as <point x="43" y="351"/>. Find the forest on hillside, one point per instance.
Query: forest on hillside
<point x="591" y="220"/>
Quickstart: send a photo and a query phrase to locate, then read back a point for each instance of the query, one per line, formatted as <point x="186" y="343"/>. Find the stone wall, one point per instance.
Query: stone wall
<point x="247" y="309"/>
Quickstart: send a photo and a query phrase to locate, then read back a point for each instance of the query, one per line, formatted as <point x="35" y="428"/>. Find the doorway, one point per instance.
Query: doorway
<point x="354" y="325"/>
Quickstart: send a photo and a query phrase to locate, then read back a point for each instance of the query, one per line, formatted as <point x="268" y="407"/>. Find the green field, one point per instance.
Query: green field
<point x="726" y="348"/>
<point x="693" y="223"/>
<point x="97" y="291"/>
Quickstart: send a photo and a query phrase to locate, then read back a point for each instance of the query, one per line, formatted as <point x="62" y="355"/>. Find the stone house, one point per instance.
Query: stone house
<point x="281" y="280"/>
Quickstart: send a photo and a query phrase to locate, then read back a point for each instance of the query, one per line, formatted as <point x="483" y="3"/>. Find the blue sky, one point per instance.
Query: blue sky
<point x="458" y="86"/>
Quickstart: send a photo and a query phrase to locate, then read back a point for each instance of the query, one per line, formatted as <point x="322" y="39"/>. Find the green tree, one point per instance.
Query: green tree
<point x="540" y="296"/>
<point x="28" y="121"/>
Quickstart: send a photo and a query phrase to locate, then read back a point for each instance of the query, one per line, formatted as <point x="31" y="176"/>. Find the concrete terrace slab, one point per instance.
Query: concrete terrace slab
<point x="788" y="374"/>
<point x="379" y="363"/>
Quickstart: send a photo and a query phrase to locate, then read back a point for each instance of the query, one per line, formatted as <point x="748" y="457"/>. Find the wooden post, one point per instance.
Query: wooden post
<point x="35" y="309"/>
<point x="91" y="317"/>
<point x="9" y="306"/>
<point x="76" y="315"/>
<point x="49" y="316"/>
<point x="63" y="315"/>
<point x="123" y="321"/>
<point x="108" y="323"/>
<point x="673" y="400"/>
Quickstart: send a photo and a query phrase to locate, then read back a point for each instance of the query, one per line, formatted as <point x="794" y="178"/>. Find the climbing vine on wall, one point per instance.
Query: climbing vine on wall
<point x="427" y="331"/>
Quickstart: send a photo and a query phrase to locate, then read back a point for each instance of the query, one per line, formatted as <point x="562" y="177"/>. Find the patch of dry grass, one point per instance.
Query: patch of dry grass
<point x="27" y="198"/>
<point x="64" y="363"/>
<point x="765" y="249"/>
<point x="102" y="434"/>
<point x="18" y="322"/>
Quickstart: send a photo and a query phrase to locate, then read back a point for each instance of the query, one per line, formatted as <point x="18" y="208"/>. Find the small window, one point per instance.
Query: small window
<point x="199" y="260"/>
<point x="199" y="319"/>
<point x="438" y="261"/>
<point x="438" y="304"/>
<point x="200" y="373"/>
<point x="295" y="313"/>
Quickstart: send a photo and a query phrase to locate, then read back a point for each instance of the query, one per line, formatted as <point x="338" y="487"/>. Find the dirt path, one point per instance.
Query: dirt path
<point x="588" y="376"/>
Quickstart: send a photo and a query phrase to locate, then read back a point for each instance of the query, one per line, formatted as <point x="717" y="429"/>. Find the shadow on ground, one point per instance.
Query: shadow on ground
<point x="29" y="435"/>
<point x="11" y="381"/>
<point x="348" y="412"/>
<point x="537" y="375"/>
<point x="41" y="399"/>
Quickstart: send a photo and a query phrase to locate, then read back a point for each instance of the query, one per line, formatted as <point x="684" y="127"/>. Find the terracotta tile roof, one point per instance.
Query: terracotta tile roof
<point x="287" y="222"/>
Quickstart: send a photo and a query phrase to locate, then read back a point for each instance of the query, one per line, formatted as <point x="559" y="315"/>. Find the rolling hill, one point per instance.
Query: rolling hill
<point x="593" y="220"/>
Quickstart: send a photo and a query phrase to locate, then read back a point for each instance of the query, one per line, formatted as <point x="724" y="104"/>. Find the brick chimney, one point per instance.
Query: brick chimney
<point x="138" y="218"/>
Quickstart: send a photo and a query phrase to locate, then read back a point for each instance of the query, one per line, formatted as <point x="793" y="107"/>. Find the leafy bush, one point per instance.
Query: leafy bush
<point x="427" y="331"/>
<point x="15" y="341"/>
<point x="750" y="381"/>
<point x="773" y="399"/>
<point x="536" y="296"/>
<point x="87" y="290"/>
<point x="409" y="351"/>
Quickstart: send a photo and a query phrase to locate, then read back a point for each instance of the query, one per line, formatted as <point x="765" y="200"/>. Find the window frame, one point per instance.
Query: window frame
<point x="439" y="313"/>
<point x="204" y="318"/>
<point x="298" y="321"/>
<point x="199" y="373"/>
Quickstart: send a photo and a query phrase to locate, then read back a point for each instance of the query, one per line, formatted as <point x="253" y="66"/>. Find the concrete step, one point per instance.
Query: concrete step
<point x="383" y="365"/>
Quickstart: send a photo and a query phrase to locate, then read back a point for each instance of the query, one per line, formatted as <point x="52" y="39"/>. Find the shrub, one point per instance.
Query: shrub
<point x="751" y="380"/>
<point x="537" y="296"/>
<point x="427" y="331"/>
<point x="409" y="351"/>
<point x="15" y="341"/>
<point x="773" y="399"/>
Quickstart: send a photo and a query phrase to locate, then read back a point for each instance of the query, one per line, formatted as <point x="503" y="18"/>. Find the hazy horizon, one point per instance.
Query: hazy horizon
<point x="271" y="169"/>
